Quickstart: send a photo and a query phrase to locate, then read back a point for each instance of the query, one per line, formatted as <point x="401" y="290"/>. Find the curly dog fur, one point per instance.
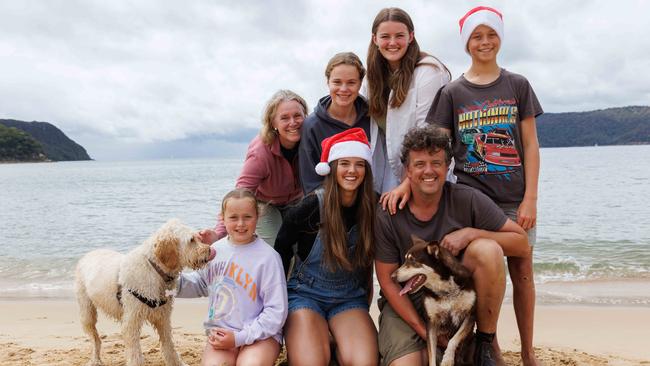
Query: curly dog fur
<point x="134" y="288"/>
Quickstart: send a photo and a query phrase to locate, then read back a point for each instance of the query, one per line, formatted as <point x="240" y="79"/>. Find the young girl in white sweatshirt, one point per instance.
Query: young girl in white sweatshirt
<point x="247" y="290"/>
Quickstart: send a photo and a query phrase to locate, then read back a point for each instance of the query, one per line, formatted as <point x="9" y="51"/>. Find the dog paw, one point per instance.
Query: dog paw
<point x="447" y="361"/>
<point x="95" y="363"/>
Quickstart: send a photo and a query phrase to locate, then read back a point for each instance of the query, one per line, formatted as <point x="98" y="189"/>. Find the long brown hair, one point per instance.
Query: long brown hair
<point x="380" y="78"/>
<point x="333" y="230"/>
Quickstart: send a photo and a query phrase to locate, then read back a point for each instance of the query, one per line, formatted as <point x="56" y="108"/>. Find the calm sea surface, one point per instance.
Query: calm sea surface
<point x="593" y="236"/>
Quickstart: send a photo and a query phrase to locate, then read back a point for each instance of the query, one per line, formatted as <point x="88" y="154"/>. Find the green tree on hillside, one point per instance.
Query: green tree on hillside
<point x="16" y="145"/>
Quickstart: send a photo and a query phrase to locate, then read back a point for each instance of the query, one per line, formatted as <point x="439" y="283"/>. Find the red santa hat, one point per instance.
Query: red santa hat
<point x="351" y="143"/>
<point x="480" y="15"/>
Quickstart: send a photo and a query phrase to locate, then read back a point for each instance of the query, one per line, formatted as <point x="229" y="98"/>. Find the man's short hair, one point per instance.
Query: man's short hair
<point x="428" y="138"/>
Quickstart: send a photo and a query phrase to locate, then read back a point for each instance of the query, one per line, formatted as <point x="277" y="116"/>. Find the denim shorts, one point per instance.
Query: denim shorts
<point x="326" y="309"/>
<point x="510" y="209"/>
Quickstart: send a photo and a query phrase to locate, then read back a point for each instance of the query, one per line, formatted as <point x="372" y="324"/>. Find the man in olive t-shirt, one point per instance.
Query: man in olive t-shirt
<point x="463" y="220"/>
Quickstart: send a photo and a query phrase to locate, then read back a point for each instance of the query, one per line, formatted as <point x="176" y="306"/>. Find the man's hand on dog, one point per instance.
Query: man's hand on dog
<point x="220" y="338"/>
<point x="457" y="240"/>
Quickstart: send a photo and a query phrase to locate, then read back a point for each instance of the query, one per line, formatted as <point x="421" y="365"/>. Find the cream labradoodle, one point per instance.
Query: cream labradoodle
<point x="137" y="287"/>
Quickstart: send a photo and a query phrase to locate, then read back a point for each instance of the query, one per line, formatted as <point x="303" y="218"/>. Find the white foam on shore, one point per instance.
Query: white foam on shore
<point x="632" y="292"/>
<point x="35" y="290"/>
<point x="568" y="289"/>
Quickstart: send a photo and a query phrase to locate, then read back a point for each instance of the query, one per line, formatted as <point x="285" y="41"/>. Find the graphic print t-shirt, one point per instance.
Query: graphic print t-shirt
<point x="485" y="121"/>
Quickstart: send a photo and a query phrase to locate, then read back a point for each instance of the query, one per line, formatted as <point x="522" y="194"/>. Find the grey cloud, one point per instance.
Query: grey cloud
<point x="149" y="72"/>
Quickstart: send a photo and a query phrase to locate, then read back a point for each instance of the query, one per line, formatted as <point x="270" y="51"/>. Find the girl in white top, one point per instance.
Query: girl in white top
<point x="247" y="290"/>
<point x="400" y="86"/>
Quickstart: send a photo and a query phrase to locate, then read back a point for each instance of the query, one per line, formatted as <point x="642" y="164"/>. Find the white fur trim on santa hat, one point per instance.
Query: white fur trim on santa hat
<point x="481" y="15"/>
<point x="345" y="149"/>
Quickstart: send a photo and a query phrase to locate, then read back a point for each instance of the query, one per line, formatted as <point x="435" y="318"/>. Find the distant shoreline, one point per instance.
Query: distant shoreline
<point x="25" y="161"/>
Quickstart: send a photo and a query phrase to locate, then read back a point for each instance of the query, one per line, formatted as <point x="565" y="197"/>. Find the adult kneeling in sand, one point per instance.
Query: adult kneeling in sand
<point x="463" y="220"/>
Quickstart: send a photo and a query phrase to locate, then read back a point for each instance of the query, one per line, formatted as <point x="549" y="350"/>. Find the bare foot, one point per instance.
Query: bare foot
<point x="529" y="359"/>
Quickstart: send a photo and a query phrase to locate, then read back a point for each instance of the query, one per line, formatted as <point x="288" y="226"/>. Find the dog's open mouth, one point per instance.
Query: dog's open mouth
<point x="413" y="284"/>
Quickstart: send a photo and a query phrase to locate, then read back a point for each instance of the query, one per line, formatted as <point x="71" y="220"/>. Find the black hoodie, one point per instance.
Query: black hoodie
<point x="318" y="126"/>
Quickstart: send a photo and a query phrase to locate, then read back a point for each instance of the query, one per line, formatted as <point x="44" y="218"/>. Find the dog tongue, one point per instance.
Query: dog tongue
<point x="408" y="287"/>
<point x="213" y="253"/>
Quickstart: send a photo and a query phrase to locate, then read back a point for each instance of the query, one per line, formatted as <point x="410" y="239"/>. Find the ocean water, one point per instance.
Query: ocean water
<point x="593" y="236"/>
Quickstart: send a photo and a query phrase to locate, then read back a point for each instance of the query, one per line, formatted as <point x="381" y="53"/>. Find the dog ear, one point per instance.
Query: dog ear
<point x="453" y="264"/>
<point x="417" y="241"/>
<point x="432" y="249"/>
<point x="166" y="250"/>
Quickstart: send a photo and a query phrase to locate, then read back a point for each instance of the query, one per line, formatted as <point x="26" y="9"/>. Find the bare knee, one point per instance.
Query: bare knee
<point x="308" y="360"/>
<point x="484" y="253"/>
<point x="213" y="357"/>
<point x="308" y="354"/>
<point x="411" y="359"/>
<point x="359" y="359"/>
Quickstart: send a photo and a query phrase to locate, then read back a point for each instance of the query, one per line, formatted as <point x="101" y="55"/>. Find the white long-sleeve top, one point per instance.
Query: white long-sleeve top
<point x="425" y="83"/>
<point x="247" y="290"/>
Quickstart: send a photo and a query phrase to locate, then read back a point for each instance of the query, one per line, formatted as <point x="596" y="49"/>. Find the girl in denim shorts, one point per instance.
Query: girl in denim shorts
<point x="330" y="284"/>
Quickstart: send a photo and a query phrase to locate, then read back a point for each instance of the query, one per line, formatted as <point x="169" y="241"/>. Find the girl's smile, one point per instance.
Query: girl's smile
<point x="350" y="173"/>
<point x="392" y="39"/>
<point x="240" y="218"/>
<point x="344" y="84"/>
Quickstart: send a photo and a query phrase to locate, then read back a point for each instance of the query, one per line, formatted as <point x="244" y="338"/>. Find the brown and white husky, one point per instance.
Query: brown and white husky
<point x="448" y="295"/>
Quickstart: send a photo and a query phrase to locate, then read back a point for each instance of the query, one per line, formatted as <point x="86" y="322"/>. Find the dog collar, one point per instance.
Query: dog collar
<point x="150" y="303"/>
<point x="166" y="277"/>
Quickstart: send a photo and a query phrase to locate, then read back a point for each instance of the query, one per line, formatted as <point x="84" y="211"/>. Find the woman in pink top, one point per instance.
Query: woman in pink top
<point x="270" y="170"/>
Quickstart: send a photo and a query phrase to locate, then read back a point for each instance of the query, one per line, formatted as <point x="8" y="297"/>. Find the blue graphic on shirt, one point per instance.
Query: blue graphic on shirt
<point x="223" y="302"/>
<point x="486" y="128"/>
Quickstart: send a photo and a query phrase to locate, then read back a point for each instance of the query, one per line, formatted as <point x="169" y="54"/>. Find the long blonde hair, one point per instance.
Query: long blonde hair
<point x="380" y="78"/>
<point x="333" y="230"/>
<point x="267" y="133"/>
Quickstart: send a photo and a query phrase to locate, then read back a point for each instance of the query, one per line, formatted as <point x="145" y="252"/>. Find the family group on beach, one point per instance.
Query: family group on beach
<point x="324" y="198"/>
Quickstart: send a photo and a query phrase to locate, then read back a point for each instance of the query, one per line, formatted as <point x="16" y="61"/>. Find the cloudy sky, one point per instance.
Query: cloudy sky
<point x="151" y="78"/>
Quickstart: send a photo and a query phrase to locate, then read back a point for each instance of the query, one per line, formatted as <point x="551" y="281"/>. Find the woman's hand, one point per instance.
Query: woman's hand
<point x="400" y="194"/>
<point x="208" y="236"/>
<point x="220" y="338"/>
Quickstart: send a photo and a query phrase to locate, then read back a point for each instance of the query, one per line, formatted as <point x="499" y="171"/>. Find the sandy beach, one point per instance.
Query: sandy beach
<point x="47" y="332"/>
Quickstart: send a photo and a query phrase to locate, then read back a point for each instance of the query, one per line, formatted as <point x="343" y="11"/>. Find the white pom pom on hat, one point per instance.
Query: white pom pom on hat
<point x="480" y="15"/>
<point x="351" y="143"/>
<point x="323" y="169"/>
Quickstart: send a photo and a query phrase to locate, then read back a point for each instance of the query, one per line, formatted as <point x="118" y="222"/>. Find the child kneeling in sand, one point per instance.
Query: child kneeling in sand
<point x="247" y="290"/>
